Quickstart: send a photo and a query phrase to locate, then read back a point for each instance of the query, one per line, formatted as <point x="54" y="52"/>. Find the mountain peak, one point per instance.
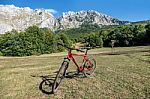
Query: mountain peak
<point x="19" y="18"/>
<point x="75" y="19"/>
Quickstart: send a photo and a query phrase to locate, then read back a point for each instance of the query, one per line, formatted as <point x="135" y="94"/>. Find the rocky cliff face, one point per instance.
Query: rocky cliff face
<point x="75" y="19"/>
<point x="12" y="17"/>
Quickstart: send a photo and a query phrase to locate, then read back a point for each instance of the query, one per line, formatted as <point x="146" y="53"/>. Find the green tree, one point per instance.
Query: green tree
<point x="147" y="27"/>
<point x="33" y="41"/>
<point x="93" y="40"/>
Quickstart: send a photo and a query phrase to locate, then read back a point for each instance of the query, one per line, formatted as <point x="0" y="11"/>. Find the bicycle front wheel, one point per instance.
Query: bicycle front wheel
<point x="89" y="66"/>
<point x="60" y="75"/>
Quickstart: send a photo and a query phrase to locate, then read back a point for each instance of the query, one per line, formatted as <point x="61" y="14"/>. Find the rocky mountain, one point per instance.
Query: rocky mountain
<point x="75" y="19"/>
<point x="12" y="17"/>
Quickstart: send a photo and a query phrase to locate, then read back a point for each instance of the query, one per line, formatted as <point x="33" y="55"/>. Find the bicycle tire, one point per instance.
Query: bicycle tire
<point x="89" y="66"/>
<point x="45" y="86"/>
<point x="60" y="75"/>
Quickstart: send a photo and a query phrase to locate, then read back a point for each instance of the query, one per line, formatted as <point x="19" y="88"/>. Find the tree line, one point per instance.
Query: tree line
<point x="36" y="41"/>
<point x="126" y="35"/>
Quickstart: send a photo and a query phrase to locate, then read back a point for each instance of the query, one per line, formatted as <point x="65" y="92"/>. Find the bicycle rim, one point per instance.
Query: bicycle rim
<point x="89" y="66"/>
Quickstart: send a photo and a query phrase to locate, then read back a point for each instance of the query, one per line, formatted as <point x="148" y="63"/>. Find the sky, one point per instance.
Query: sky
<point x="128" y="10"/>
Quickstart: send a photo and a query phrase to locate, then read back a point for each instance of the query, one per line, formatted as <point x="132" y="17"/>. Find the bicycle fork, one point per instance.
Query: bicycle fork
<point x="67" y="60"/>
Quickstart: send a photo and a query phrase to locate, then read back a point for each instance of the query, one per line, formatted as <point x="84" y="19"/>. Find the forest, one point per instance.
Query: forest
<point x="36" y="41"/>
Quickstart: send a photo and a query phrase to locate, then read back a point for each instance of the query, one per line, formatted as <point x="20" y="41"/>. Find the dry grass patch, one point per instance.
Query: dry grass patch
<point x="122" y="75"/>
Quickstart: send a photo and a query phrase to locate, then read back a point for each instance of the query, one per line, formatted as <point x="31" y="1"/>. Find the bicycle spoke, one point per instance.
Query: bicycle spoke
<point x="89" y="66"/>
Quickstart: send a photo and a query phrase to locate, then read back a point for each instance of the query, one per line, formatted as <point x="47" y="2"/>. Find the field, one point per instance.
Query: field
<point x="123" y="73"/>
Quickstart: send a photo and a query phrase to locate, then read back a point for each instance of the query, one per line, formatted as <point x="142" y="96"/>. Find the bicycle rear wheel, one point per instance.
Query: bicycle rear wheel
<point x="89" y="66"/>
<point x="60" y="75"/>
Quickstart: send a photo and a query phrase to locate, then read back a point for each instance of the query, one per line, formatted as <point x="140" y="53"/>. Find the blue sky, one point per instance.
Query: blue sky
<point x="131" y="10"/>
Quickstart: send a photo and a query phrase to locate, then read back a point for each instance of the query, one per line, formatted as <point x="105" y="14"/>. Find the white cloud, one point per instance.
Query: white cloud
<point x="53" y="11"/>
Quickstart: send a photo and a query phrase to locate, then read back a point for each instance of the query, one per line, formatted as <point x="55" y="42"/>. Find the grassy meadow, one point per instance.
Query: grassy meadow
<point x="121" y="73"/>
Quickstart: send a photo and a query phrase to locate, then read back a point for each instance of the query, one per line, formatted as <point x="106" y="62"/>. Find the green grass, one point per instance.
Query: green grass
<point x="125" y="73"/>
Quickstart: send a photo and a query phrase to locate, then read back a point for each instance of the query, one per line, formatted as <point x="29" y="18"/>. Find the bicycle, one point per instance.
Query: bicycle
<point x="87" y="67"/>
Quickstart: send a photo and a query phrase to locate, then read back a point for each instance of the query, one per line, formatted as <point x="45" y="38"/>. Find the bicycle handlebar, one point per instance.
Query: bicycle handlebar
<point x="71" y="48"/>
<point x="88" y="48"/>
<point x="80" y="50"/>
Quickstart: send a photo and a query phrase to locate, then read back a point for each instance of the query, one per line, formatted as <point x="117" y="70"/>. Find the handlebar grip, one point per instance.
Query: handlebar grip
<point x="65" y="46"/>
